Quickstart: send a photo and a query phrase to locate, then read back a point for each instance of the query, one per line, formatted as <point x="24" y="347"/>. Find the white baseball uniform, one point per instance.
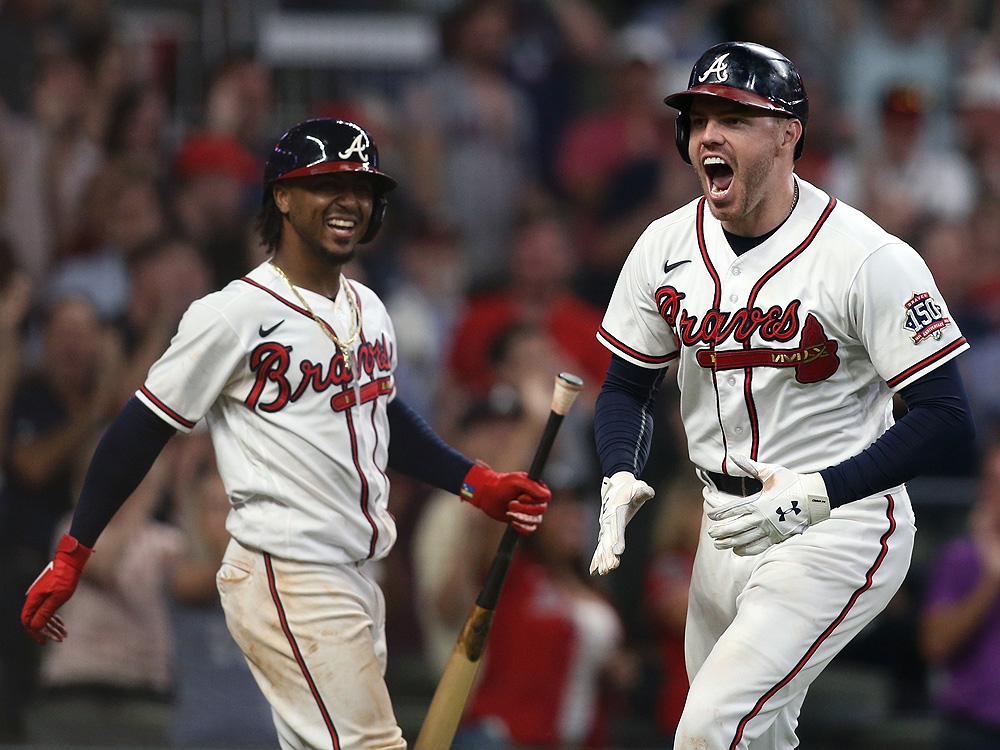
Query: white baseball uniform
<point x="304" y="465"/>
<point x="789" y="354"/>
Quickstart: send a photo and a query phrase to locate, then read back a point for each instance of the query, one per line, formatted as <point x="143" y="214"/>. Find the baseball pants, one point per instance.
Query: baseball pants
<point x="314" y="637"/>
<point x="760" y="629"/>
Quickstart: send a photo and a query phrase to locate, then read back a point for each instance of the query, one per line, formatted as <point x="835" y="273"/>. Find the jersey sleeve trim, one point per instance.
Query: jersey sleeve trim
<point x="164" y="411"/>
<point x="621" y="348"/>
<point x="959" y="345"/>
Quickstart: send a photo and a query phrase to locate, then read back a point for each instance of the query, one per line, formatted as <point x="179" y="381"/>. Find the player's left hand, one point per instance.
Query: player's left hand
<point x="507" y="497"/>
<point x="788" y="504"/>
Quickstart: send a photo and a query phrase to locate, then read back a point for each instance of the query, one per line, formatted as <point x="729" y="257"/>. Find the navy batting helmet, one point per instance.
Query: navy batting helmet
<point x="327" y="145"/>
<point x="743" y="72"/>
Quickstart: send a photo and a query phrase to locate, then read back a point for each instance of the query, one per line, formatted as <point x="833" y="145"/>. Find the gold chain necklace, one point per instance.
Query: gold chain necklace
<point x="795" y="199"/>
<point x="343" y="346"/>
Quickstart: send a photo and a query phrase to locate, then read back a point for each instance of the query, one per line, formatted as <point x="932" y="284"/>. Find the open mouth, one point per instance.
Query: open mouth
<point x="341" y="226"/>
<point x="719" y="174"/>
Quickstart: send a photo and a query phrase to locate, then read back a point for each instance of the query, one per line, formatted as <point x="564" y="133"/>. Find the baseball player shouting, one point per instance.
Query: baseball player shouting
<point x="292" y="367"/>
<point x="793" y="319"/>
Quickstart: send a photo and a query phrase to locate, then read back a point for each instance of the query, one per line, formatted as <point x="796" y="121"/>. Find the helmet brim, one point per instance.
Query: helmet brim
<point x="682" y="99"/>
<point x="383" y="182"/>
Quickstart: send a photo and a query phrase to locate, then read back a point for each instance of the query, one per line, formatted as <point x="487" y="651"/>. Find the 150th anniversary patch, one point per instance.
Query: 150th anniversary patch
<point x="924" y="317"/>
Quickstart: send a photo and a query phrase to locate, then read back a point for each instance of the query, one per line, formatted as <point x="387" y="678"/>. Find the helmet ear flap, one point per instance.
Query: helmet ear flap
<point x="682" y="134"/>
<point x="378" y="216"/>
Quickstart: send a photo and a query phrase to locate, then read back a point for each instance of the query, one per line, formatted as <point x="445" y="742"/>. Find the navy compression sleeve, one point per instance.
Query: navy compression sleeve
<point x="419" y="452"/>
<point x="939" y="417"/>
<point x="122" y="459"/>
<point x="623" y="424"/>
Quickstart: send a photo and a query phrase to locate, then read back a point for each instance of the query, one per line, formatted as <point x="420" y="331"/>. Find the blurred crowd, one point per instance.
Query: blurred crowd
<point x="531" y="152"/>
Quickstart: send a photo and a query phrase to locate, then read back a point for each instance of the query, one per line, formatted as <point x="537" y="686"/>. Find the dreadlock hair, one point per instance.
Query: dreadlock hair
<point x="269" y="221"/>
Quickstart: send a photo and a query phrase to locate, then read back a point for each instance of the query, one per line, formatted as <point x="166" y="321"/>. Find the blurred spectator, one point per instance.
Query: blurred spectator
<point x="118" y="659"/>
<point x="538" y="293"/>
<point x="901" y="179"/>
<point x="135" y="136"/>
<point x="215" y="194"/>
<point x="503" y="428"/>
<point x="121" y="211"/>
<point x="240" y="104"/>
<point x="553" y="49"/>
<point x="471" y="137"/>
<point x="901" y="40"/>
<point x="17" y="655"/>
<point x="166" y="274"/>
<point x="15" y="301"/>
<point x="977" y="106"/>
<point x="960" y="629"/>
<point x="526" y="360"/>
<point x="556" y="655"/>
<point x="618" y="165"/>
<point x="30" y="30"/>
<point x="425" y="305"/>
<point x="666" y="585"/>
<point x="447" y="577"/>
<point x="55" y="415"/>
<point x="112" y="68"/>
<point x="216" y="700"/>
<point x="953" y="257"/>
<point x="48" y="161"/>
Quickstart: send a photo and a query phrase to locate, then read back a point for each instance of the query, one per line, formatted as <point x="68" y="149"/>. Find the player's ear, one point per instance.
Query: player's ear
<point x="791" y="132"/>
<point x="281" y="197"/>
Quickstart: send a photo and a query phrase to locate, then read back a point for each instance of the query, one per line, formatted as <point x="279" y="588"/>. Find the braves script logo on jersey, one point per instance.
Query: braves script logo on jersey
<point x="271" y="361"/>
<point x="924" y="317"/>
<point x="719" y="67"/>
<point x="814" y="359"/>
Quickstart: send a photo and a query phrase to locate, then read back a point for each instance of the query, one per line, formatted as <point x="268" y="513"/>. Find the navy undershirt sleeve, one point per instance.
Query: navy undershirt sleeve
<point x="623" y="423"/>
<point x="938" y="418"/>
<point x="122" y="459"/>
<point x="419" y="452"/>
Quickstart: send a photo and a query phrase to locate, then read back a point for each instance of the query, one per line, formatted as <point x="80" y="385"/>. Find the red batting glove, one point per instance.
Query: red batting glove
<point x="52" y="589"/>
<point x="507" y="497"/>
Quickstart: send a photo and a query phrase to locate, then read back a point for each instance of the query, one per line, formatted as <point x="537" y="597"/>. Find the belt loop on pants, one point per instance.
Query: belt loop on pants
<point x="739" y="486"/>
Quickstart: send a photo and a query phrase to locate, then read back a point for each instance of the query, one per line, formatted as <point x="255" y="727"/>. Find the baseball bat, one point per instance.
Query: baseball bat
<point x="448" y="703"/>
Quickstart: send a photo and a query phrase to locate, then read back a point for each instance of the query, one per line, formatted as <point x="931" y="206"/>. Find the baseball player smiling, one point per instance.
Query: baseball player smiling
<point x="793" y="319"/>
<point x="292" y="368"/>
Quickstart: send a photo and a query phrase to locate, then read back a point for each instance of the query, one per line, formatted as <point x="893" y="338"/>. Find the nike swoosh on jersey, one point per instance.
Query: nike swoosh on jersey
<point x="668" y="266"/>
<point x="264" y="332"/>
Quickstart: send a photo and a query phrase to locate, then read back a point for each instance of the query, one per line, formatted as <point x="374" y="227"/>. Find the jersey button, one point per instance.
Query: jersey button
<point x="738" y="430"/>
<point x="732" y="380"/>
<point x="733" y="297"/>
<point x="736" y="272"/>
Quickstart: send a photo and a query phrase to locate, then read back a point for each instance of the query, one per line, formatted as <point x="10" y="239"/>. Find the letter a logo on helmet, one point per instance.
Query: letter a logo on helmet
<point x="718" y="67"/>
<point x="358" y="146"/>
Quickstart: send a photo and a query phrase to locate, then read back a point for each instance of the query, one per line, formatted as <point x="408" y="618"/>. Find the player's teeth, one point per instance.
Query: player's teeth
<point x="713" y="160"/>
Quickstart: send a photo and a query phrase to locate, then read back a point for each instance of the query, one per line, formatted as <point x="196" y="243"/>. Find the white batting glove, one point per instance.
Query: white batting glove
<point x="788" y="504"/>
<point x="621" y="496"/>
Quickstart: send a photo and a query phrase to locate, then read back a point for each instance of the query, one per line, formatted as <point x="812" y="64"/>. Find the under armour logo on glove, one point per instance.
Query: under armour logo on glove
<point x="794" y="509"/>
<point x="747" y="528"/>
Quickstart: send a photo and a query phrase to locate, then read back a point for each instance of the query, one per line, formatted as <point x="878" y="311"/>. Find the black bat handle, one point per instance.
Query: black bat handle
<point x="489" y="595"/>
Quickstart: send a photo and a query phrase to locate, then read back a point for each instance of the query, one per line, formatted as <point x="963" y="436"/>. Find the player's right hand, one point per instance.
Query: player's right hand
<point x="621" y="496"/>
<point x="506" y="497"/>
<point x="52" y="589"/>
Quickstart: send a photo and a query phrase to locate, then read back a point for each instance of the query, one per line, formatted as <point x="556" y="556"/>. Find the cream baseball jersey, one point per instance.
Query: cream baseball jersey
<point x="789" y="353"/>
<point x="301" y="444"/>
